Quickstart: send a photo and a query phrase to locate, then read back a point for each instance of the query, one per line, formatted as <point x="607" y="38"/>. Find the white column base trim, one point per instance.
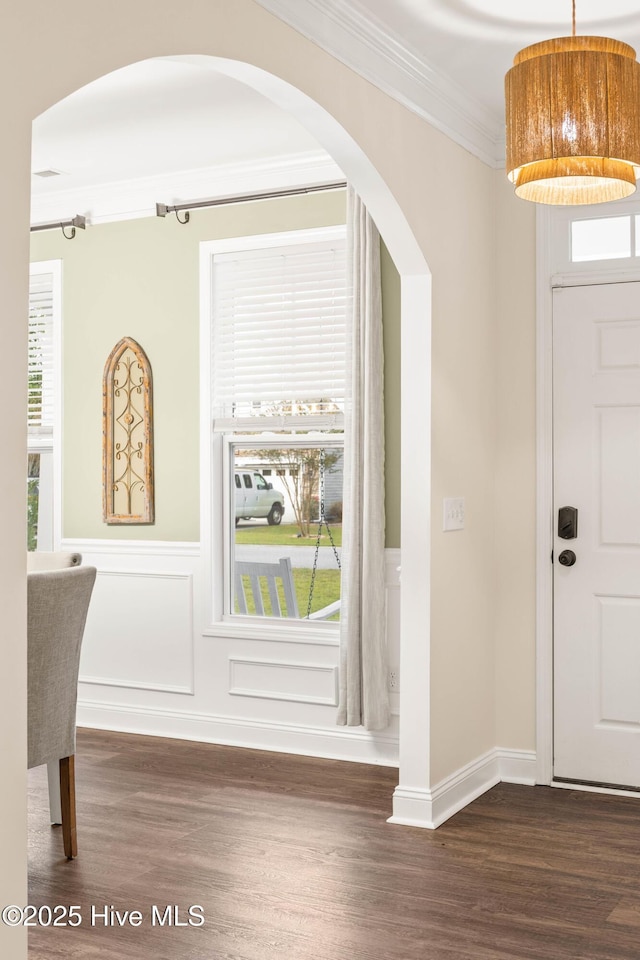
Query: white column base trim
<point x="413" y="807"/>
<point x="421" y="807"/>
<point x="339" y="743"/>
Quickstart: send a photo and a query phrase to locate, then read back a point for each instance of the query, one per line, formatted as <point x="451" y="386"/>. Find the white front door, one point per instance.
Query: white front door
<point x="596" y="396"/>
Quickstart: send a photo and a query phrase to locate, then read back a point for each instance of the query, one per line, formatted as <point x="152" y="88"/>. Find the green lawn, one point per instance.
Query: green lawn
<point x="285" y="535"/>
<point x="326" y="590"/>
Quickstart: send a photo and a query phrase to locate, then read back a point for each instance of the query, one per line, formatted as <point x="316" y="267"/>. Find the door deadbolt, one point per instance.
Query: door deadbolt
<point x="567" y="558"/>
<point x="568" y="523"/>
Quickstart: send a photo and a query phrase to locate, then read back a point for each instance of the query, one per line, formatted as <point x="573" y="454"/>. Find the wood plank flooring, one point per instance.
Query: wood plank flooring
<point x="291" y="859"/>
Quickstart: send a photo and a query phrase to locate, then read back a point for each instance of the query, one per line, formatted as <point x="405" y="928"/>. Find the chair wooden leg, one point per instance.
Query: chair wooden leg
<point x="68" y="803"/>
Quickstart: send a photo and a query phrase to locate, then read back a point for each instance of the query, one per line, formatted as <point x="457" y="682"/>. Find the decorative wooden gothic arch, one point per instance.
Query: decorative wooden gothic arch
<point x="127" y="435"/>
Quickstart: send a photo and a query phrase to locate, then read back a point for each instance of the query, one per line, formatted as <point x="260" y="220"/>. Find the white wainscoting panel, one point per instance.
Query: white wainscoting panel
<point x="139" y="631"/>
<point x="283" y="680"/>
<point x="150" y="666"/>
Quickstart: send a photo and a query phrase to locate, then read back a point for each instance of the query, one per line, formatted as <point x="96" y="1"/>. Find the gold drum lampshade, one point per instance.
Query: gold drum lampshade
<point x="573" y="121"/>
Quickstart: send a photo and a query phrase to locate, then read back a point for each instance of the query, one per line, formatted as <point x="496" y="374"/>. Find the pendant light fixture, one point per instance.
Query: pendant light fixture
<point x="573" y="120"/>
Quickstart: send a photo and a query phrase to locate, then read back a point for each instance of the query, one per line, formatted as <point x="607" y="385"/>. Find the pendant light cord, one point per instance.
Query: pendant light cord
<point x="573" y="28"/>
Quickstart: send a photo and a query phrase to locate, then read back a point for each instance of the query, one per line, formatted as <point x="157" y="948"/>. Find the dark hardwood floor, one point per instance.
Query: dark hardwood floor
<point x="291" y="859"/>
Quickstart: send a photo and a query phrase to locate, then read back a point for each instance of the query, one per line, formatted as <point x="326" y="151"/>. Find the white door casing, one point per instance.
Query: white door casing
<point x="596" y="395"/>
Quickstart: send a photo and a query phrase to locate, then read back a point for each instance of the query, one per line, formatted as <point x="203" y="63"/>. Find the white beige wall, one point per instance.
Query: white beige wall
<point x="464" y="448"/>
<point x="515" y="503"/>
<point x="448" y="199"/>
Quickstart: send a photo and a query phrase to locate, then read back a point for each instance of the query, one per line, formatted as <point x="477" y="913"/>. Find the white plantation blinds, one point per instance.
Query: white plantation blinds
<point x="40" y="412"/>
<point x="279" y="334"/>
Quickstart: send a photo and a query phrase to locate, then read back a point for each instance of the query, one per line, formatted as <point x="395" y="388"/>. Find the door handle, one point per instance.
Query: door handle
<point x="567" y="558"/>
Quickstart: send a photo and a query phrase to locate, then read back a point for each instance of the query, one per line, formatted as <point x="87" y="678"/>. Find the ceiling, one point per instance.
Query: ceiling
<point x="165" y="130"/>
<point x="446" y="59"/>
<point x="159" y="116"/>
<point x="473" y="42"/>
<point x="170" y="130"/>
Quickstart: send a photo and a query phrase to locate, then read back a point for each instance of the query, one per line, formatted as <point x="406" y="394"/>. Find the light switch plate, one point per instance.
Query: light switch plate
<point x="453" y="513"/>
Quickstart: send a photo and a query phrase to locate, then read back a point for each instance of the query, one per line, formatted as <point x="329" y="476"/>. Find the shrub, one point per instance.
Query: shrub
<point x="333" y="512"/>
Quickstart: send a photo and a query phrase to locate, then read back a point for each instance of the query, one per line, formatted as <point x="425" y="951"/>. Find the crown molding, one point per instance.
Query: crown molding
<point x="136" y="198"/>
<point x="348" y="32"/>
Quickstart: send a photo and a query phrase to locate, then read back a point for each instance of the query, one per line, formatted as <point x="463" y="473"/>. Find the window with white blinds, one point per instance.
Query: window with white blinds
<point x="43" y="405"/>
<point x="279" y="332"/>
<point x="41" y="395"/>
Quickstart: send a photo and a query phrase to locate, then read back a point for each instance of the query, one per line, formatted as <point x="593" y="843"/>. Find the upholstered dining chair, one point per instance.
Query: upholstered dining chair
<point x="51" y="560"/>
<point x="57" y="605"/>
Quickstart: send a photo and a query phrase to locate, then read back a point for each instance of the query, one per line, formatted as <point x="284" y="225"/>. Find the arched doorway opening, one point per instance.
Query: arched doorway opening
<point x="415" y="402"/>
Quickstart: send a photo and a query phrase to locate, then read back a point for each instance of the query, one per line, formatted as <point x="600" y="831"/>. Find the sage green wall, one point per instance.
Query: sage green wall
<point x="140" y="278"/>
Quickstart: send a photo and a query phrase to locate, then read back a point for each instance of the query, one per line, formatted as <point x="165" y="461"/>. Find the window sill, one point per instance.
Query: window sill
<point x="275" y="630"/>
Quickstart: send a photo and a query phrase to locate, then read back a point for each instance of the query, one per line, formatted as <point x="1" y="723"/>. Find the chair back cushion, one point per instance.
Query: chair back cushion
<point x="57" y="605"/>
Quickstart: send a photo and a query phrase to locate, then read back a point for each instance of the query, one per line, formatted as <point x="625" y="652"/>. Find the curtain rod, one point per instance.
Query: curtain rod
<point x="162" y="209"/>
<point x="78" y="221"/>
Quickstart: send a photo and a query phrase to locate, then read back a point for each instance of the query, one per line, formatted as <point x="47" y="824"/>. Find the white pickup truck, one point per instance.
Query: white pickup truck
<point x="255" y="497"/>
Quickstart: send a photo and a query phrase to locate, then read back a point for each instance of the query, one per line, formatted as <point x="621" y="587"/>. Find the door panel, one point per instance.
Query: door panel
<point x="597" y="469"/>
<point x="619" y="667"/>
<point x="619" y="459"/>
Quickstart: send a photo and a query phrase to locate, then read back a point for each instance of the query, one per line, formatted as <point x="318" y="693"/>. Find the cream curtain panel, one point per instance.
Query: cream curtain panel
<point x="364" y="697"/>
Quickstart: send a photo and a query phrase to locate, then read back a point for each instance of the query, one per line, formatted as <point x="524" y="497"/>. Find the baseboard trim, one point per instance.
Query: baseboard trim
<point x="518" y="766"/>
<point x="418" y="807"/>
<point x="341" y="743"/>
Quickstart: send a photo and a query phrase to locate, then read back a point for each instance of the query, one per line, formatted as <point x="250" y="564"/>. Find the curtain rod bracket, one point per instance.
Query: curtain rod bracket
<point x="162" y="209"/>
<point x="78" y="222"/>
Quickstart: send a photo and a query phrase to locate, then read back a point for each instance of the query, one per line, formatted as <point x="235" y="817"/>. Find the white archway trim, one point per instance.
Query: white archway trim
<point x="412" y="800"/>
<point x="357" y="168"/>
